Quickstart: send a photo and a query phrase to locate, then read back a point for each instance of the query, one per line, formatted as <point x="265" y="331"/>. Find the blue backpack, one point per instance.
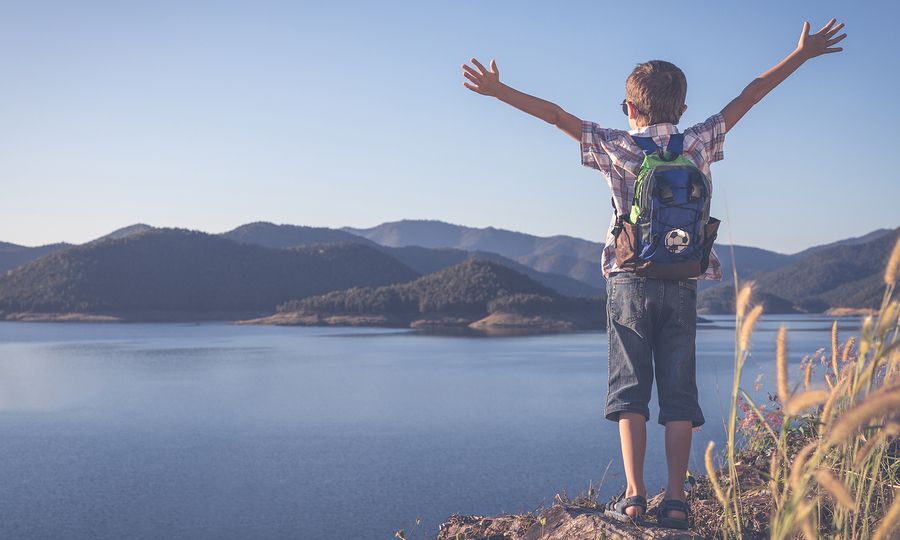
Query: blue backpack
<point x="669" y="233"/>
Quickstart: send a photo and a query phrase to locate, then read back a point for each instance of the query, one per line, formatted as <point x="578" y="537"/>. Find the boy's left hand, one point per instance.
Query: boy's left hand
<point x="484" y="81"/>
<point x="822" y="42"/>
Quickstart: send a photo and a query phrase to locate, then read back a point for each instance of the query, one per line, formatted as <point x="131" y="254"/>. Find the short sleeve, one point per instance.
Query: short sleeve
<point x="595" y="142"/>
<point x="710" y="133"/>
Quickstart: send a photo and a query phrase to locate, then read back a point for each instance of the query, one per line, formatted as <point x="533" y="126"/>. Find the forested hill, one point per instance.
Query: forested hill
<point x="465" y="293"/>
<point x="179" y="271"/>
<point x="13" y="255"/>
<point x="466" y="287"/>
<point x="428" y="260"/>
<point x="845" y="275"/>
<point x="285" y="236"/>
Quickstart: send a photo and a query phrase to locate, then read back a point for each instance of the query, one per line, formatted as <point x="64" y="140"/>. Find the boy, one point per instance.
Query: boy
<point x="651" y="322"/>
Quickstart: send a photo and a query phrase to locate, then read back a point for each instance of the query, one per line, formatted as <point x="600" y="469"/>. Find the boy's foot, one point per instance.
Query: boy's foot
<point x="636" y="511"/>
<point x="627" y="508"/>
<point x="673" y="513"/>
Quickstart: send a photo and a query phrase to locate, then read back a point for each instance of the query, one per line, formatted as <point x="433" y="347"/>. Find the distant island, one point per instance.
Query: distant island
<point x="419" y="274"/>
<point x="477" y="294"/>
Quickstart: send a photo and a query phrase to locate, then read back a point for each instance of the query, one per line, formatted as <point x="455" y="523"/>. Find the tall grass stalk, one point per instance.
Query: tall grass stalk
<point x="744" y="323"/>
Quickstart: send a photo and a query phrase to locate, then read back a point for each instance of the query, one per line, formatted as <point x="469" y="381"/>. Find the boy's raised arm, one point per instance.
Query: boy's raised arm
<point x="809" y="46"/>
<point x="487" y="82"/>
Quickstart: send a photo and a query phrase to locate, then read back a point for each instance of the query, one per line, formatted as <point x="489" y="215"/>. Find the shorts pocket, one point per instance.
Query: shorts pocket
<point x="687" y="302"/>
<point x="626" y="299"/>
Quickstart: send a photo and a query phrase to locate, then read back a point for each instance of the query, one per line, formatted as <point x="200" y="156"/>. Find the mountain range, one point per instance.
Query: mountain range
<point x="253" y="268"/>
<point x="175" y="274"/>
<point x="847" y="274"/>
<point x="423" y="259"/>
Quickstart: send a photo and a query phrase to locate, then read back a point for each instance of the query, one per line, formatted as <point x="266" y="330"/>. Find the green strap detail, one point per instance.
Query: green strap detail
<point x="651" y="162"/>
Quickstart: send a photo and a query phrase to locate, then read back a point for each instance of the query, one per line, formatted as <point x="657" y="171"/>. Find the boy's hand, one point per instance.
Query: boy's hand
<point x="813" y="45"/>
<point x="809" y="46"/>
<point x="485" y="82"/>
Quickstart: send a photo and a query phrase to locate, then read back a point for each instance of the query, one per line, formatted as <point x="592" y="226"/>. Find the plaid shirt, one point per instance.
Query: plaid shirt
<point x="614" y="153"/>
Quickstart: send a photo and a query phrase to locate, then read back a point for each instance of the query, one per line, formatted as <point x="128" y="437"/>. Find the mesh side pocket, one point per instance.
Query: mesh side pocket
<point x="710" y="232"/>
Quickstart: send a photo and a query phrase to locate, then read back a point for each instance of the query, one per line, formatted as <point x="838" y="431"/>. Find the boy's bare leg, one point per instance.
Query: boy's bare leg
<point x="633" y="437"/>
<point x="678" y="450"/>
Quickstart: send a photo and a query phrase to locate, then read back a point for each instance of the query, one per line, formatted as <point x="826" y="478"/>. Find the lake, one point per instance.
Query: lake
<point x="226" y="431"/>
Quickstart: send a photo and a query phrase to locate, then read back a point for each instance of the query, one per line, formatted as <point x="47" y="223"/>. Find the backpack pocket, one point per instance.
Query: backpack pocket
<point x="628" y="246"/>
<point x="628" y="259"/>
<point x="710" y="232"/>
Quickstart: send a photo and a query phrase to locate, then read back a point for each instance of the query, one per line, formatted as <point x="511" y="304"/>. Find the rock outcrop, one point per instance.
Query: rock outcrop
<point x="558" y="522"/>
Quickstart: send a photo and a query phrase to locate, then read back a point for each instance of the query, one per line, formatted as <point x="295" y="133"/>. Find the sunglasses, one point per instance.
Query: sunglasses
<point x="625" y="107"/>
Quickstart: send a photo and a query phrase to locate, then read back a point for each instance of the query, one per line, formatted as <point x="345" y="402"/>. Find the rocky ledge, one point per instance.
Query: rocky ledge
<point x="558" y="522"/>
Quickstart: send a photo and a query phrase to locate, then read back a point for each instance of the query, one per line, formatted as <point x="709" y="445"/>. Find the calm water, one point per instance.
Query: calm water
<point x="221" y="431"/>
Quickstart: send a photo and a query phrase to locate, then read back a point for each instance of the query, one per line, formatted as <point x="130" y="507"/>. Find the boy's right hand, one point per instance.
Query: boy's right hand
<point x="485" y="82"/>
<point x="809" y="46"/>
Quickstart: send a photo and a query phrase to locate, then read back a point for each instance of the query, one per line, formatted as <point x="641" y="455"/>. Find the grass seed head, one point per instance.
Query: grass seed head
<point x="834" y="347"/>
<point x="781" y="364"/>
<point x="890" y="523"/>
<point x="804" y="400"/>
<point x="866" y="450"/>
<point x="865" y="334"/>
<point x="887" y="318"/>
<point x="834" y="396"/>
<point x="836" y="488"/>
<point x="880" y="403"/>
<point x="711" y="473"/>
<point x="798" y="467"/>
<point x="747" y="327"/>
<point x="743" y="299"/>
<point x="845" y="355"/>
<point x="809" y="531"/>
<point x="892" y="271"/>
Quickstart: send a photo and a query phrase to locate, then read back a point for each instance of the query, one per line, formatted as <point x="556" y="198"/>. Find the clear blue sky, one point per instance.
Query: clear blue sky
<point x="210" y="115"/>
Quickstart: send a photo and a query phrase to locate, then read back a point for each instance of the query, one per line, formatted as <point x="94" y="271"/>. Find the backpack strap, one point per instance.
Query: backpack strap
<point x="646" y="144"/>
<point x="617" y="228"/>
<point x="676" y="144"/>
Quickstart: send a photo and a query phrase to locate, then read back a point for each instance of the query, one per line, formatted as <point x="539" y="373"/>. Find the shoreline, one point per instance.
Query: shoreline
<point x="148" y="316"/>
<point x="493" y="323"/>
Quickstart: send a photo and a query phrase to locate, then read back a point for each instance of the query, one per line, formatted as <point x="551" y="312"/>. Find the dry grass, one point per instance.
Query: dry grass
<point x="840" y="478"/>
<point x="781" y="364"/>
<point x="797" y="403"/>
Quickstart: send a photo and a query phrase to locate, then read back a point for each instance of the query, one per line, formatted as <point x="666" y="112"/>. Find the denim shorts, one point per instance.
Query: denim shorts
<point x="652" y="328"/>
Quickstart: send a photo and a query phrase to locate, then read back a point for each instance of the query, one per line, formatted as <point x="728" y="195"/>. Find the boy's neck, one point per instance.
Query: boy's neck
<point x="661" y="128"/>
